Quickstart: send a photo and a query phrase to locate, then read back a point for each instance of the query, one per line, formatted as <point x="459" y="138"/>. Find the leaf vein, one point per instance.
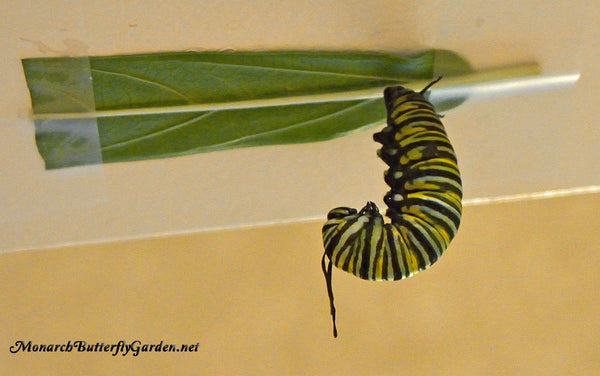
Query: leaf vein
<point x="298" y="70"/>
<point x="147" y="81"/>
<point x="157" y="133"/>
<point x="289" y="127"/>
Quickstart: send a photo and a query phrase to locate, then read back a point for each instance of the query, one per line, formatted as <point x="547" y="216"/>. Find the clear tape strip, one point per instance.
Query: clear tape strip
<point x="78" y="139"/>
<point x="71" y="141"/>
<point x="56" y="193"/>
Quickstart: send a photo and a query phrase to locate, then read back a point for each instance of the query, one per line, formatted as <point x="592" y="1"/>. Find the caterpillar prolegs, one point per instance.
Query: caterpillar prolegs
<point x="424" y="202"/>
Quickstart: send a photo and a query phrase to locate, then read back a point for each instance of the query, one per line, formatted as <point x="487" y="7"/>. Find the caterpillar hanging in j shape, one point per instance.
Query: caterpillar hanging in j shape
<point x="424" y="202"/>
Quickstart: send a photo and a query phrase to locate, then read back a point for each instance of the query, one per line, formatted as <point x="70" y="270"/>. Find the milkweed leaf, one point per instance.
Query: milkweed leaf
<point x="144" y="104"/>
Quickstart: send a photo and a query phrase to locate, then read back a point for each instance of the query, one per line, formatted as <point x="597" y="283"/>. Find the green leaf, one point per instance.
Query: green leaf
<point x="59" y="85"/>
<point x="168" y="104"/>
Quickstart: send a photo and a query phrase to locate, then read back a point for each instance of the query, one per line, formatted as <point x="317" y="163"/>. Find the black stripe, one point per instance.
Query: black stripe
<point x="379" y="254"/>
<point x="428" y="247"/>
<point x="365" y="251"/>
<point x="431" y="120"/>
<point x="438" y="206"/>
<point x="335" y="239"/>
<point x="430" y="150"/>
<point x="395" y="252"/>
<point x="431" y="174"/>
<point x="387" y="135"/>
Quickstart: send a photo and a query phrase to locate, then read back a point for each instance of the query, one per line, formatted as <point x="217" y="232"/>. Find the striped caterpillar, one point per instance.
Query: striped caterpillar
<point x="424" y="202"/>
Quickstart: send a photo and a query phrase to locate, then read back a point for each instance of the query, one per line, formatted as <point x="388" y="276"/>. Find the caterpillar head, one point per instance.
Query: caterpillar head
<point x="342" y="212"/>
<point x="369" y="209"/>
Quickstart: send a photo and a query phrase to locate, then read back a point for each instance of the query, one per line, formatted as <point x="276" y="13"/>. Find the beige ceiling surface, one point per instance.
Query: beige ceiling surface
<point x="515" y="294"/>
<point x="530" y="143"/>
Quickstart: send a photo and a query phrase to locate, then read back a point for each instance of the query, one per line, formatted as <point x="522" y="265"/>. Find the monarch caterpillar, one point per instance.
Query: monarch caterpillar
<point x="424" y="202"/>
